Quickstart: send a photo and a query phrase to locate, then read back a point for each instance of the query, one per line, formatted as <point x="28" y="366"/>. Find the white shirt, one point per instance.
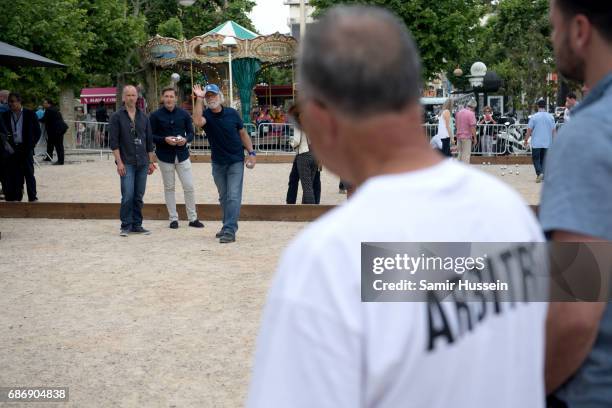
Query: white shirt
<point x="320" y="346"/>
<point x="442" y="130"/>
<point x="299" y="141"/>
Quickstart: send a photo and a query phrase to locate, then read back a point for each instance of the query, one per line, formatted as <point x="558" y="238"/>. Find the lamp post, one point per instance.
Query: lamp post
<point x="230" y="42"/>
<point x="478" y="71"/>
<point x="186" y="3"/>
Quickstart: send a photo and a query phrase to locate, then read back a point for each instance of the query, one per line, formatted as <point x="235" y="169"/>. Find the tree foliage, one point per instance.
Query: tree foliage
<point x="518" y="48"/>
<point x="99" y="40"/>
<point x="171" y="28"/>
<point x="197" y="19"/>
<point x="444" y="30"/>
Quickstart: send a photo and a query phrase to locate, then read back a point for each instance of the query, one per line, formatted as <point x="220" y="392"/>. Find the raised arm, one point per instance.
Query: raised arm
<point x="198" y="117"/>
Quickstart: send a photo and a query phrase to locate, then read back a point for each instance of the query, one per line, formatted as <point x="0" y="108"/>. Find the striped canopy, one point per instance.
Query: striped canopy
<point x="229" y="28"/>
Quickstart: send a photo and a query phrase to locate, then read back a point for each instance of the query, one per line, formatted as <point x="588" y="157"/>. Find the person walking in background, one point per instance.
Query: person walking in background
<point x="55" y="128"/>
<point x="132" y="144"/>
<point x="172" y="129"/>
<point x="102" y="119"/>
<point x="228" y="139"/>
<point x="570" y="103"/>
<point x="24" y="133"/>
<point x="466" y="131"/>
<point x="542" y="127"/>
<point x="486" y="138"/>
<point x="445" y="133"/>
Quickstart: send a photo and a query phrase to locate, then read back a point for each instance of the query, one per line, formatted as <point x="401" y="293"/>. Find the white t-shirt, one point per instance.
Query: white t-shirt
<point x="320" y="346"/>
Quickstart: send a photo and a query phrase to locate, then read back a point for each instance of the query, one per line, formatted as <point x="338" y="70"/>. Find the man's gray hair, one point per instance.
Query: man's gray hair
<point x="360" y="60"/>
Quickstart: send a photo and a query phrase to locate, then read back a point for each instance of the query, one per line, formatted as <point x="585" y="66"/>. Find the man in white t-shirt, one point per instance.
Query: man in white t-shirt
<point x="320" y="345"/>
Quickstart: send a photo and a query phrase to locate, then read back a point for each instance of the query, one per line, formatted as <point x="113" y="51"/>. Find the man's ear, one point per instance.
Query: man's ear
<point x="581" y="31"/>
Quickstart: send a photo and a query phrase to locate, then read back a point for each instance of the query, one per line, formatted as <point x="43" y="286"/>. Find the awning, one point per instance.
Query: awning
<point x="12" y="57"/>
<point x="95" y="95"/>
<point x="263" y="91"/>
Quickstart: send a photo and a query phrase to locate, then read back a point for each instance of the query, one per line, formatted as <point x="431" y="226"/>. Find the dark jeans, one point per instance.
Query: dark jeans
<point x="446" y="147"/>
<point x="228" y="179"/>
<point x="538" y="155"/>
<point x="133" y="186"/>
<point x="294" y="181"/>
<point x="57" y="142"/>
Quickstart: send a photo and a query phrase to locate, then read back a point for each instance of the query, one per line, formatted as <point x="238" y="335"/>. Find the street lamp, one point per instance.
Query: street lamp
<point x="230" y="42"/>
<point x="478" y="71"/>
<point x="186" y="3"/>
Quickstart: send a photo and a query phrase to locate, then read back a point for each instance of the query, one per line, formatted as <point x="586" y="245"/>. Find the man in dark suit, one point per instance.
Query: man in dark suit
<point x="55" y="127"/>
<point x="24" y="133"/>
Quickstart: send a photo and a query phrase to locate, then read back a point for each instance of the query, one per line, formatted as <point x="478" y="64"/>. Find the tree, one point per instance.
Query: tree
<point x="443" y="30"/>
<point x="171" y="28"/>
<point x="518" y="48"/>
<point x="99" y="40"/>
<point x="94" y="38"/>
<point x="58" y="32"/>
<point x="201" y="17"/>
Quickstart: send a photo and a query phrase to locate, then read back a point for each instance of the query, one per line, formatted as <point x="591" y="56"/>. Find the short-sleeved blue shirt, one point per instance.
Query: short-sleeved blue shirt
<point x="223" y="132"/>
<point x="542" y="125"/>
<point x="577" y="197"/>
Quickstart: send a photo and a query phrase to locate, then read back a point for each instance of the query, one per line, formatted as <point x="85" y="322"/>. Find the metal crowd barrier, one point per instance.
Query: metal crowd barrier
<point x="430" y="130"/>
<point x="494" y="140"/>
<point x="267" y="138"/>
<point x="87" y="137"/>
<point x="273" y="138"/>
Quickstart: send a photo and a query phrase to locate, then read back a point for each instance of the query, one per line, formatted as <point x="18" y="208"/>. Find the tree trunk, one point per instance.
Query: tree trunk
<point x="66" y="107"/>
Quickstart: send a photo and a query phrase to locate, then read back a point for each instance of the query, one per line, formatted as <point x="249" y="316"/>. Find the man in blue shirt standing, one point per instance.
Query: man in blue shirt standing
<point x="228" y="139"/>
<point x="577" y="203"/>
<point x="172" y="130"/>
<point x="542" y="128"/>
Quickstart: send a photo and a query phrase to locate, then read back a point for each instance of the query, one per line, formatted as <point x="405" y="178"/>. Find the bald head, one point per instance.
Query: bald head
<point x="360" y="60"/>
<point x="129" y="96"/>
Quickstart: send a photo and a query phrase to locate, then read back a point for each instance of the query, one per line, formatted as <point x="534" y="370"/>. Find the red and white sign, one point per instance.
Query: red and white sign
<point x="95" y="95"/>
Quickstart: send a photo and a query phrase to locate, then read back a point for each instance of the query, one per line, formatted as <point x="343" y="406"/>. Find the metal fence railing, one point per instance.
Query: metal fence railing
<point x="495" y="140"/>
<point x="273" y="138"/>
<point x="87" y="137"/>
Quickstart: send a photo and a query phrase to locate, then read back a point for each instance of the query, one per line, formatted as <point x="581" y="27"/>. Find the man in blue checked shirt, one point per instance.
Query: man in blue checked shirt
<point x="172" y="129"/>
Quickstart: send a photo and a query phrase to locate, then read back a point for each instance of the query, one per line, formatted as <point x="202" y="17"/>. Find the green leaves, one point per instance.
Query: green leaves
<point x="99" y="40"/>
<point x="441" y="29"/>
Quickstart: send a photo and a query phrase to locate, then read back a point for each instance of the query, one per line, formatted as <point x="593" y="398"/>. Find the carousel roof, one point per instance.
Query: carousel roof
<point x="209" y="49"/>
<point x="230" y="28"/>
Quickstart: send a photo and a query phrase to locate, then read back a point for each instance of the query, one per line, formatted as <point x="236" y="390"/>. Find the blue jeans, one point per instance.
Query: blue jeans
<point x="228" y="179"/>
<point x="538" y="155"/>
<point x="133" y="186"/>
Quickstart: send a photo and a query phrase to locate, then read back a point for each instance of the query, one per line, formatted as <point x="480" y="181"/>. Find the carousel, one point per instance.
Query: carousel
<point x="229" y="55"/>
